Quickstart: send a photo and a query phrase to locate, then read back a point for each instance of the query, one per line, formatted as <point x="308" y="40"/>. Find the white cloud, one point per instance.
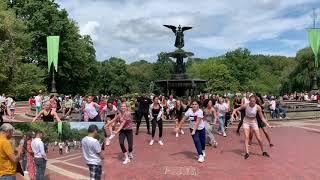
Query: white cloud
<point x="90" y="28"/>
<point x="133" y="28"/>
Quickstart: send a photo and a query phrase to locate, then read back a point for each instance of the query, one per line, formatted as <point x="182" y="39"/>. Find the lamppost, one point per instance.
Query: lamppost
<point x="314" y="40"/>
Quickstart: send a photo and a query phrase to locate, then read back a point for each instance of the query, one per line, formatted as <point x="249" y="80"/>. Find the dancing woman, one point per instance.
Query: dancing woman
<point x="125" y="132"/>
<point x="178" y="112"/>
<point x="261" y="124"/>
<point x="197" y="128"/>
<point x="210" y="118"/>
<point x="48" y="114"/>
<point x="155" y="112"/>
<point x="90" y="108"/>
<point x="250" y="123"/>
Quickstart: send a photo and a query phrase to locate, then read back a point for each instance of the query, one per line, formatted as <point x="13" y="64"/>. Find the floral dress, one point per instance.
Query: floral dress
<point x="30" y="161"/>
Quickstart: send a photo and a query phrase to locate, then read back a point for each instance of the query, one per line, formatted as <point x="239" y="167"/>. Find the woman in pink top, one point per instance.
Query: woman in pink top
<point x="125" y="131"/>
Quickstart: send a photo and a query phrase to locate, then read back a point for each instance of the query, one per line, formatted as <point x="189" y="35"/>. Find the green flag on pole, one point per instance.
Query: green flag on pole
<point x="53" y="50"/>
<point x="60" y="127"/>
<point x="314" y="40"/>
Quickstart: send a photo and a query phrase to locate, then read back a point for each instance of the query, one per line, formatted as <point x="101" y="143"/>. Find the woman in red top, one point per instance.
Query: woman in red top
<point x="125" y="131"/>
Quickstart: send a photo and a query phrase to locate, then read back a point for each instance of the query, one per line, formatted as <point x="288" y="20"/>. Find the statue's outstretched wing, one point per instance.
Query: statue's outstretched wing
<point x="186" y="28"/>
<point x="173" y="28"/>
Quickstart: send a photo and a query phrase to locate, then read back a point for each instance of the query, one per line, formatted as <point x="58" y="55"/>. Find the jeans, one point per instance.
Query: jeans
<point x="40" y="168"/>
<point x="154" y="126"/>
<point x="221" y="123"/>
<point x="126" y="133"/>
<point x="8" y="177"/>
<point x="199" y="139"/>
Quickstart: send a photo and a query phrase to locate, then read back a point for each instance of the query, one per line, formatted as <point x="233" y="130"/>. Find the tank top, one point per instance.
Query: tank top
<point x="48" y="117"/>
<point x="208" y="117"/>
<point x="91" y="110"/>
<point x="251" y="112"/>
<point x="155" y="112"/>
<point x="179" y="113"/>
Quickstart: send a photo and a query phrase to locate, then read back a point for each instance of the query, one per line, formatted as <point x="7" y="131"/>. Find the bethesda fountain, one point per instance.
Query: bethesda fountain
<point x="179" y="84"/>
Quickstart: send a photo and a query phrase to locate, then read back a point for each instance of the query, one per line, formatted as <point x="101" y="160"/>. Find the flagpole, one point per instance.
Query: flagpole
<point x="53" y="83"/>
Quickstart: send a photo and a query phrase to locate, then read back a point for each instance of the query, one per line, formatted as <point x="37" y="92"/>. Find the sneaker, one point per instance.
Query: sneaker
<point x="224" y="135"/>
<point x="112" y="136"/>
<point x="271" y="145"/>
<point x="151" y="142"/>
<point x="161" y="143"/>
<point x="126" y="161"/>
<point x="203" y="153"/>
<point x="265" y="154"/>
<point x="108" y="142"/>
<point x="25" y="172"/>
<point x="201" y="159"/>
<point x="215" y="144"/>
<point x="177" y="134"/>
<point x="219" y="132"/>
<point x="181" y="131"/>
<point x="246" y="156"/>
<point x="130" y="155"/>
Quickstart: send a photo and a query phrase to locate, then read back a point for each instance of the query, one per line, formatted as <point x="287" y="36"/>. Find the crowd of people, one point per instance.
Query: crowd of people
<point x="29" y="157"/>
<point x="7" y="107"/>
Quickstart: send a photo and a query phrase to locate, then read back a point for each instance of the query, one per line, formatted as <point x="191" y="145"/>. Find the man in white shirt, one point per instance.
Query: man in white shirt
<point x="40" y="157"/>
<point x="91" y="149"/>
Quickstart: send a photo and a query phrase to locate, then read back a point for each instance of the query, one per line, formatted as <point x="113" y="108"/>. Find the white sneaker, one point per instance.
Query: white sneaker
<point x="177" y="134"/>
<point x="201" y="159"/>
<point x="215" y="144"/>
<point x="126" y="161"/>
<point x="108" y="142"/>
<point x="224" y="135"/>
<point x="25" y="172"/>
<point x="112" y="136"/>
<point x="182" y="132"/>
<point x="203" y="153"/>
<point x="130" y="155"/>
<point x="161" y="143"/>
<point x="219" y="132"/>
<point x="151" y="142"/>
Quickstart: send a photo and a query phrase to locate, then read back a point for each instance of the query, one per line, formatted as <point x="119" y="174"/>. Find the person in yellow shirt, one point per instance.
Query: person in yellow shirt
<point x="8" y="158"/>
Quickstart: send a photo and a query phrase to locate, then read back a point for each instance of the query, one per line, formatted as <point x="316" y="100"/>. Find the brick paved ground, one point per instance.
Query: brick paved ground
<point x="295" y="156"/>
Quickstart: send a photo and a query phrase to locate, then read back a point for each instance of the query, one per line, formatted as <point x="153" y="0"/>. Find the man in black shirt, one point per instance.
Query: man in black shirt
<point x="143" y="110"/>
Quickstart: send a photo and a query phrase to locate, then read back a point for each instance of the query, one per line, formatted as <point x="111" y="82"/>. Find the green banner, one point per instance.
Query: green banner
<point x="53" y="50"/>
<point x="60" y="127"/>
<point x="314" y="40"/>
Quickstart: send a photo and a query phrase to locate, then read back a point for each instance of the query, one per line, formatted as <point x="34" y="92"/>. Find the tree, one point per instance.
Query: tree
<point x="44" y="18"/>
<point x="216" y="72"/>
<point x="242" y="67"/>
<point x="140" y="74"/>
<point x="300" y="78"/>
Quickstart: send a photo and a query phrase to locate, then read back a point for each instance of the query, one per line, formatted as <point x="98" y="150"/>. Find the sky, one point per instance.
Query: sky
<point x="132" y="29"/>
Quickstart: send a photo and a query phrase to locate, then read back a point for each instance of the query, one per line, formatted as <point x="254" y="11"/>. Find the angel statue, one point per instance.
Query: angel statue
<point x="179" y="34"/>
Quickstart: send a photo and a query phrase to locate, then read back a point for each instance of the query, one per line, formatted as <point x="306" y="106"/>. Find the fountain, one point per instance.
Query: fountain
<point x="180" y="84"/>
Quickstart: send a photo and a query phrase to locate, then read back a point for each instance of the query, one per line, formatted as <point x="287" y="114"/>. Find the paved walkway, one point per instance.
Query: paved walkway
<point x="295" y="156"/>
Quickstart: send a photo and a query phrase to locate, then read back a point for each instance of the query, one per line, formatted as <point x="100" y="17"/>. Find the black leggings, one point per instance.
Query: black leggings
<point x="154" y="126"/>
<point x="126" y="133"/>
<point x="140" y="114"/>
<point x="243" y="113"/>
